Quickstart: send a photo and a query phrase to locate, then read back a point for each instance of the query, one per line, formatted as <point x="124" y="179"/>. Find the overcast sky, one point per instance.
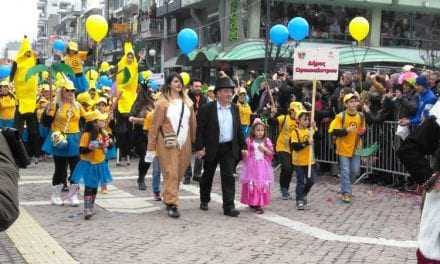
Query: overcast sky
<point x="18" y="18"/>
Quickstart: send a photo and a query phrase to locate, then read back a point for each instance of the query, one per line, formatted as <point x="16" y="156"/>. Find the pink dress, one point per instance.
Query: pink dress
<point x="257" y="174"/>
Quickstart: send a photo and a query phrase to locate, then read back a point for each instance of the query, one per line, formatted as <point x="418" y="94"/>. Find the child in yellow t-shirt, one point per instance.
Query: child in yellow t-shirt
<point x="245" y="112"/>
<point x="348" y="127"/>
<point x="302" y="144"/>
<point x="92" y="169"/>
<point x="7" y="105"/>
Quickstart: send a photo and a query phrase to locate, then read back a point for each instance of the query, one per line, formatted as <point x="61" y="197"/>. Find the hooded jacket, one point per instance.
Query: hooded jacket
<point x="25" y="91"/>
<point x="8" y="186"/>
<point x="426" y="100"/>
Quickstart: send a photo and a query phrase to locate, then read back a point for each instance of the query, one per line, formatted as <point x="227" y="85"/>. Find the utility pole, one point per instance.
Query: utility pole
<point x="268" y="22"/>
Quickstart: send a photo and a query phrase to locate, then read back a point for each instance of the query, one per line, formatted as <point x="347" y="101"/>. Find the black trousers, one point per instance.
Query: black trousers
<point x="226" y="160"/>
<point x="88" y="191"/>
<point x="285" y="160"/>
<point x="123" y="133"/>
<point x="140" y="141"/>
<point x="30" y="119"/>
<point x="61" y="164"/>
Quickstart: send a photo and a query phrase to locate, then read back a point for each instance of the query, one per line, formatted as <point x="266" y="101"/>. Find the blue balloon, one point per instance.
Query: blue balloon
<point x="104" y="81"/>
<point x="59" y="45"/>
<point x="279" y="34"/>
<point x="153" y="85"/>
<point x="5" y="71"/>
<point x="187" y="40"/>
<point x="298" y="28"/>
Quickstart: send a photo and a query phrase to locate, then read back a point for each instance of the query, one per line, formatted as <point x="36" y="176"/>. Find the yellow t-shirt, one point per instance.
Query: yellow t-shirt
<point x="61" y="118"/>
<point x="245" y="114"/>
<point x="346" y="146"/>
<point x="285" y="129"/>
<point x="301" y="157"/>
<point x="95" y="156"/>
<point x="76" y="61"/>
<point x="148" y="120"/>
<point x="7" y="107"/>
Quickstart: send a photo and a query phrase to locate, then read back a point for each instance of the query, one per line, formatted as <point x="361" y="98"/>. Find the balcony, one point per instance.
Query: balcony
<point x="151" y="28"/>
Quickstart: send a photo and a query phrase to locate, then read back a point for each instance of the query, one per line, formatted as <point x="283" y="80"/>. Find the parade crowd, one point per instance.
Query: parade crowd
<point x="81" y="118"/>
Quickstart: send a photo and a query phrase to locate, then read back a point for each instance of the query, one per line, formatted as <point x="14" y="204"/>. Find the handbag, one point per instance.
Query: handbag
<point x="170" y="139"/>
<point x="17" y="147"/>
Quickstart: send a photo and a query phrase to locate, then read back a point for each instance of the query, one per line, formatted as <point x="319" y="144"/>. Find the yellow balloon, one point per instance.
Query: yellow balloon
<point x="147" y="74"/>
<point x="185" y="77"/>
<point x="96" y="27"/>
<point x="359" y="28"/>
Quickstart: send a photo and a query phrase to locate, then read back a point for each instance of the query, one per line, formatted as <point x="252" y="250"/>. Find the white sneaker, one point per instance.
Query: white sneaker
<point x="56" y="195"/>
<point x="72" y="196"/>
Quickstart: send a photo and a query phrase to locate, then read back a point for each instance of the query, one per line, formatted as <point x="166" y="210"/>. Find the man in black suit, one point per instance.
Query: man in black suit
<point x="220" y="141"/>
<point x="199" y="100"/>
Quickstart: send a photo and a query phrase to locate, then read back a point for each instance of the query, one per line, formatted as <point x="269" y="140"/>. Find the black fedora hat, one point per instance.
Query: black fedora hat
<point x="224" y="83"/>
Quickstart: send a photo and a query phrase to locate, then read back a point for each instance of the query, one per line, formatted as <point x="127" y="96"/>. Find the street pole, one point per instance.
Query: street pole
<point x="266" y="42"/>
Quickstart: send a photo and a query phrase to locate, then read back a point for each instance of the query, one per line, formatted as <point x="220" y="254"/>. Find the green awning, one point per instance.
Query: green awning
<point x="251" y="50"/>
<point x="210" y="52"/>
<point x="356" y="55"/>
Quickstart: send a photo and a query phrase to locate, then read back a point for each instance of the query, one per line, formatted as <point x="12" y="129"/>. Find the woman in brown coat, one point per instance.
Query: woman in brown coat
<point x="170" y="138"/>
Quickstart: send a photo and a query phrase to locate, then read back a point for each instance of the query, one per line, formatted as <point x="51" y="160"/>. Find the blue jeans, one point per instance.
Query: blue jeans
<point x="350" y="169"/>
<point x="303" y="183"/>
<point x="156" y="175"/>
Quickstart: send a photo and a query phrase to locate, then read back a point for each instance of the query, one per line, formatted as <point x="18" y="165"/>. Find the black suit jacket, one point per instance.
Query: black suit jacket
<point x="208" y="131"/>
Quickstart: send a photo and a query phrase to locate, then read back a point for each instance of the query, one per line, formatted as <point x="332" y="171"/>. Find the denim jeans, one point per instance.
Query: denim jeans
<point x="303" y="183"/>
<point x="350" y="169"/>
<point x="156" y="175"/>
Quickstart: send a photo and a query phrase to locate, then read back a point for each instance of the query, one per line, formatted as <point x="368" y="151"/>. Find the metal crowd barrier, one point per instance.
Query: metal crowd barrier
<point x="385" y="160"/>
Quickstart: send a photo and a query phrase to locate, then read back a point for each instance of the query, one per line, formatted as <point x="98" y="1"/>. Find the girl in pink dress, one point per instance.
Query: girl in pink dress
<point x="257" y="175"/>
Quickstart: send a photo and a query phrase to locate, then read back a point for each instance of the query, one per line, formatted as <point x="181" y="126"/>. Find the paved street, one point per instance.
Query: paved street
<point x="379" y="227"/>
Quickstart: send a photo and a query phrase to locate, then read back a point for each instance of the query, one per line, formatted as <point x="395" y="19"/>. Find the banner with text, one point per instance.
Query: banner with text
<point x="316" y="64"/>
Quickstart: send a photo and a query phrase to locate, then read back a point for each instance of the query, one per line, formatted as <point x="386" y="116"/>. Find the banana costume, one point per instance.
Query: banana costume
<point x="25" y="91"/>
<point x="127" y="91"/>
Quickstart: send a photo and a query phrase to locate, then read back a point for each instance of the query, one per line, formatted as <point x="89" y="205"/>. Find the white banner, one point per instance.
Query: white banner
<point x="316" y="64"/>
<point x="158" y="77"/>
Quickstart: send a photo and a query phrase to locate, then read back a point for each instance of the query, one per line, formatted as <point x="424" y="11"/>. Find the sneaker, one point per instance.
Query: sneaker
<point x="157" y="197"/>
<point x="285" y="194"/>
<point x="300" y="205"/>
<point x="56" y="195"/>
<point x="347" y="198"/>
<point x="173" y="212"/>
<point x="72" y="196"/>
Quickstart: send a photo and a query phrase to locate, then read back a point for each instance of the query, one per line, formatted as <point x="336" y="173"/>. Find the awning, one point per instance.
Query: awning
<point x="209" y="53"/>
<point x="171" y="63"/>
<point x="251" y="50"/>
<point x="355" y="55"/>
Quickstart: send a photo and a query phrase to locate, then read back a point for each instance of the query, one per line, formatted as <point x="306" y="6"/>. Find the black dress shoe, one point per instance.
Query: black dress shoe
<point x="173" y="212"/>
<point x="204" y="206"/>
<point x="232" y="213"/>
<point x="142" y="186"/>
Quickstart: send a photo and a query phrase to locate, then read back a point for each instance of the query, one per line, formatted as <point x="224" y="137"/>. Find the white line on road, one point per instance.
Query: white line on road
<point x="34" y="243"/>
<point x="314" y="231"/>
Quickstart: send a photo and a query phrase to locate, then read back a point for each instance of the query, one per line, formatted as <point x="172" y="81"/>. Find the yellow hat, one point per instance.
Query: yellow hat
<point x="349" y="96"/>
<point x="67" y="85"/>
<point x="4" y="82"/>
<point x="242" y="91"/>
<point x="94" y="115"/>
<point x="302" y="112"/>
<point x="211" y="88"/>
<point x="296" y="106"/>
<point x="105" y="67"/>
<point x="102" y="100"/>
<point x="84" y="98"/>
<point x="72" y="46"/>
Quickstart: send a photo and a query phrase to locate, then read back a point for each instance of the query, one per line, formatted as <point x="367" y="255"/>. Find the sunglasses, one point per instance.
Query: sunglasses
<point x="69" y="91"/>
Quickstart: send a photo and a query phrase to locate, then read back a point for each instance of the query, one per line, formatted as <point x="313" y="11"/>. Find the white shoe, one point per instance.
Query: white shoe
<point x="72" y="196"/>
<point x="56" y="195"/>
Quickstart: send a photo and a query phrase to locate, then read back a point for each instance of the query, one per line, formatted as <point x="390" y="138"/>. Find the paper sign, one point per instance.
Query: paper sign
<point x="158" y="77"/>
<point x="316" y="64"/>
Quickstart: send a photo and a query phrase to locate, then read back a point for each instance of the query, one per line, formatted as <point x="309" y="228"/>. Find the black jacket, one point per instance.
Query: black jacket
<point x="208" y="131"/>
<point x="8" y="186"/>
<point x="203" y="101"/>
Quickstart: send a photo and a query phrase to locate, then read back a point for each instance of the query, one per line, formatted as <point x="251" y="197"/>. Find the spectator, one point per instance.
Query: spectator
<point x="426" y="100"/>
<point x="8" y="186"/>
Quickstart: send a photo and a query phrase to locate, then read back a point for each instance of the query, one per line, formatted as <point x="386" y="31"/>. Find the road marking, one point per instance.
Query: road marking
<point x="34" y="243"/>
<point x="146" y="199"/>
<point x="313" y="231"/>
